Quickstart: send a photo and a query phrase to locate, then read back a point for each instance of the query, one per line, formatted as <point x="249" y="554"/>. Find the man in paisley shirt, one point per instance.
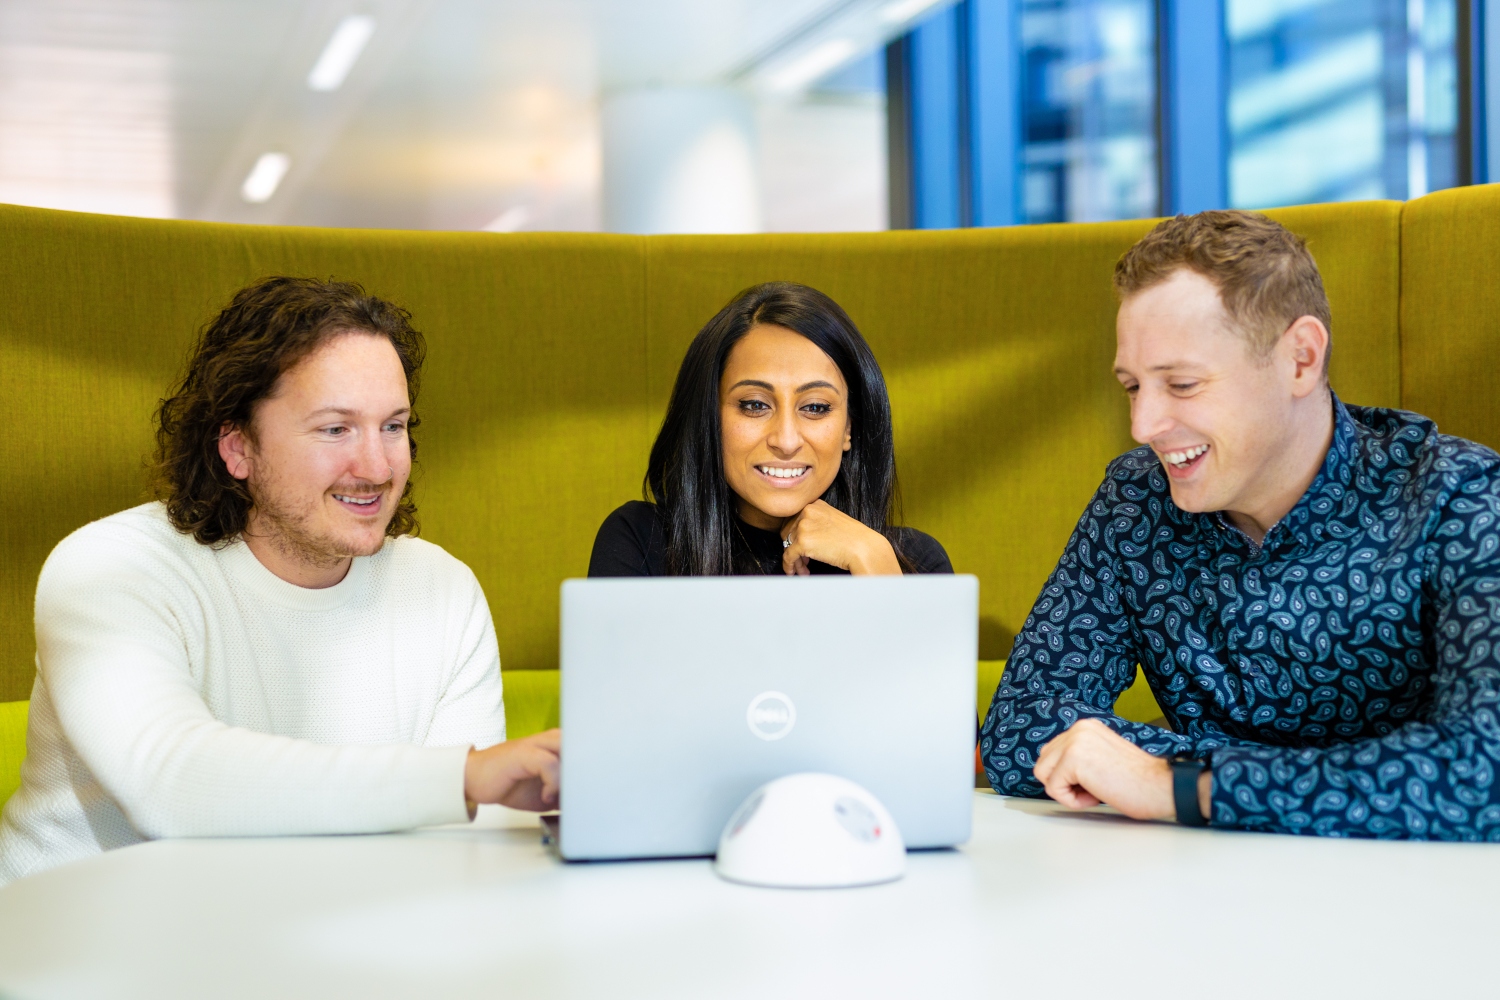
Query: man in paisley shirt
<point x="1312" y="589"/>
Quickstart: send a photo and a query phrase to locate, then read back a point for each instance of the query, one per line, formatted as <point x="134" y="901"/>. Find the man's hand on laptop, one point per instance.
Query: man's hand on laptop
<point x="1091" y="763"/>
<point x="521" y="774"/>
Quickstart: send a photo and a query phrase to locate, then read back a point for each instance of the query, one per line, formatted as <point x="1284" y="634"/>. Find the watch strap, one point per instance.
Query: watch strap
<point x="1185" y="773"/>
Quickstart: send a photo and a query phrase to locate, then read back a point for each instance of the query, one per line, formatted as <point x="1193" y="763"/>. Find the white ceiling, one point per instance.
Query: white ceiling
<point x="456" y="112"/>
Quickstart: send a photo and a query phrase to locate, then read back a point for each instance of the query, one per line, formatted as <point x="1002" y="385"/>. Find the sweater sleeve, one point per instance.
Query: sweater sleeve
<point x="471" y="709"/>
<point x="111" y="651"/>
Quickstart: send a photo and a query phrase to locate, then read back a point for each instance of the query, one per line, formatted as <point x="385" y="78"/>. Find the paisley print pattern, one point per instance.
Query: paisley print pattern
<point x="1342" y="677"/>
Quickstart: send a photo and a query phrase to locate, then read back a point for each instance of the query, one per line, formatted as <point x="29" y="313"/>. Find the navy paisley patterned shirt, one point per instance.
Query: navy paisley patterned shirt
<point x="1343" y="677"/>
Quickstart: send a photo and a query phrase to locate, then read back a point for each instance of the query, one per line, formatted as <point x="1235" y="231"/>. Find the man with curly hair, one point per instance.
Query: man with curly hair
<point x="268" y="649"/>
<point x="1312" y="589"/>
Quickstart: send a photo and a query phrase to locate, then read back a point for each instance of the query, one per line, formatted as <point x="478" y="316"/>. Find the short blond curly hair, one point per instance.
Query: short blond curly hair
<point x="1266" y="277"/>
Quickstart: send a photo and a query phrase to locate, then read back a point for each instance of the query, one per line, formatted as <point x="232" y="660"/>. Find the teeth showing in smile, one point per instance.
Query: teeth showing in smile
<point x="776" y="473"/>
<point x="1184" y="457"/>
<point x="356" y="500"/>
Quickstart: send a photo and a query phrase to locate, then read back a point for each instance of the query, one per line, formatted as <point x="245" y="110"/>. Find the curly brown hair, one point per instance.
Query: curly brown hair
<point x="265" y="330"/>
<point x="1266" y="277"/>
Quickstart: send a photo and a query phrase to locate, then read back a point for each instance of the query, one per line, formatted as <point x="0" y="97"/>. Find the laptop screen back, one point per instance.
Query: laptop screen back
<point x="682" y="695"/>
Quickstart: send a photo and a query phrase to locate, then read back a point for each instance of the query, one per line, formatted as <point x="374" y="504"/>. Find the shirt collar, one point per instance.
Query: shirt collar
<point x="1310" y="521"/>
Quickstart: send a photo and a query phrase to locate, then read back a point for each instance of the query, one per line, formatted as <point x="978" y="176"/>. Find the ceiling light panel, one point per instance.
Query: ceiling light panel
<point x="811" y="65"/>
<point x="265" y="177"/>
<point x="799" y="61"/>
<point x="903" y="11"/>
<point x="341" y="53"/>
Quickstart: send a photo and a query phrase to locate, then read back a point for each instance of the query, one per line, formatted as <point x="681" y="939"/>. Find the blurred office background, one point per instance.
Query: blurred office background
<point x="738" y="115"/>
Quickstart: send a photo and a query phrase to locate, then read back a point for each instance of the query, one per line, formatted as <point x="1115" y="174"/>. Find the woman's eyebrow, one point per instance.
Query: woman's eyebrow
<point x="819" y="384"/>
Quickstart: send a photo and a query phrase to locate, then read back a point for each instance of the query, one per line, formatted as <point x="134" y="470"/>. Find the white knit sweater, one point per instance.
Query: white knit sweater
<point x="186" y="691"/>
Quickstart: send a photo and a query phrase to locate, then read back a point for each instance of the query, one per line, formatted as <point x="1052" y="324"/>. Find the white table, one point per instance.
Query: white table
<point x="1039" y="903"/>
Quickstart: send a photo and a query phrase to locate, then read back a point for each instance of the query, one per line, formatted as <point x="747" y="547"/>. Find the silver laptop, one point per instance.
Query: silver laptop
<point x="681" y="696"/>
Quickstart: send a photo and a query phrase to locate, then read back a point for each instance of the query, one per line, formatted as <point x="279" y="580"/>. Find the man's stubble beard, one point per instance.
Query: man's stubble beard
<point x="289" y="528"/>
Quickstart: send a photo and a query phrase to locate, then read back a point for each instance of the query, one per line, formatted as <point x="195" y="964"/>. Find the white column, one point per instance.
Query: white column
<point x="680" y="160"/>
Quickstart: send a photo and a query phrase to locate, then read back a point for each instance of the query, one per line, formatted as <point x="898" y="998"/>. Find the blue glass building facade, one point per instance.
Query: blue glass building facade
<point x="1016" y="111"/>
<point x="1342" y="100"/>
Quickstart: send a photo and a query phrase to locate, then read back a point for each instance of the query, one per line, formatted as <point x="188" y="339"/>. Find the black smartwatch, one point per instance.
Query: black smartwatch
<point x="1185" y="773"/>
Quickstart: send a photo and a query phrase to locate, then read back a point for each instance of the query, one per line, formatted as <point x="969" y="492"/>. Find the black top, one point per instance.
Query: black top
<point x="633" y="542"/>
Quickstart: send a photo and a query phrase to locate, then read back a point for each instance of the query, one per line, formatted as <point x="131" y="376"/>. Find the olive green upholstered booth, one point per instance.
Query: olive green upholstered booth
<point x="551" y="358"/>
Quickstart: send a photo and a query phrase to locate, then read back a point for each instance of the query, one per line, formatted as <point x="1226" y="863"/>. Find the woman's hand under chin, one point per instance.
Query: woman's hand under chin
<point x="827" y="534"/>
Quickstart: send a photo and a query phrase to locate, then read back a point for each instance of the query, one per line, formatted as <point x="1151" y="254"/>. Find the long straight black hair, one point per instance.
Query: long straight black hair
<point x="685" y="476"/>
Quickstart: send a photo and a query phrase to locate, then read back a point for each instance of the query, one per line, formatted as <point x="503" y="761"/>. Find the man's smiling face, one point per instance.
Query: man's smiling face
<point x="329" y="455"/>
<point x="1214" y="411"/>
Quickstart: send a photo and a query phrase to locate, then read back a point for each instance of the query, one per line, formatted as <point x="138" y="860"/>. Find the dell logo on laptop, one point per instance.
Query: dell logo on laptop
<point x="771" y="715"/>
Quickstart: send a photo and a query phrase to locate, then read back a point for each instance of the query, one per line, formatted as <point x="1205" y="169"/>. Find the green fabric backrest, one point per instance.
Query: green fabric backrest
<point x="534" y="402"/>
<point x="1450" y="311"/>
<point x="550" y="361"/>
<point x="13" y="717"/>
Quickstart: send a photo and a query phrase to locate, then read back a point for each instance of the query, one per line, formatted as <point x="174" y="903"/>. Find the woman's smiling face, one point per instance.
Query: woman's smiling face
<point x="783" y="406"/>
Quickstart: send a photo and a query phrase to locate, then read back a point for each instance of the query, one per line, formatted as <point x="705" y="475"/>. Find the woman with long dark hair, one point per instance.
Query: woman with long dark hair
<point x="775" y="456"/>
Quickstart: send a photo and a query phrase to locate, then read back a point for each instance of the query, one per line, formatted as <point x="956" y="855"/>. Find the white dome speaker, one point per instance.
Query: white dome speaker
<point x="811" y="831"/>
